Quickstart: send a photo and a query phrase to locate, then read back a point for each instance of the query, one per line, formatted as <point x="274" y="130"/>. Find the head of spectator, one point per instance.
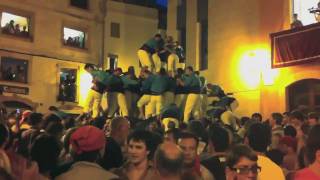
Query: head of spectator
<point x="55" y="129"/>
<point x="89" y="67"/>
<point x="218" y="139"/>
<point x="313" y="147"/>
<point x="172" y="135"/>
<point x="196" y="128"/>
<point x="276" y="119"/>
<point x="313" y="119"/>
<point x="141" y="147"/>
<point x="35" y="120"/>
<point x="11" y="22"/>
<point x="297" y="118"/>
<point x="50" y="118"/>
<point x="24" y="117"/>
<point x="119" y="129"/>
<point x="68" y="123"/>
<point x="288" y="144"/>
<point x="242" y="163"/>
<point x="243" y="120"/>
<point x="286" y="119"/>
<point x="188" y="142"/>
<point x="168" y="161"/>
<point x="17" y="27"/>
<point x="87" y="144"/>
<point x="257" y="117"/>
<point x="45" y="151"/>
<point x="290" y="131"/>
<point x="259" y="137"/>
<point x="18" y="121"/>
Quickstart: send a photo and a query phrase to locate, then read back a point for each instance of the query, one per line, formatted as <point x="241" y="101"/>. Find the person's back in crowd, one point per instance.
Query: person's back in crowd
<point x="312" y="156"/>
<point x="219" y="142"/>
<point x="259" y="138"/>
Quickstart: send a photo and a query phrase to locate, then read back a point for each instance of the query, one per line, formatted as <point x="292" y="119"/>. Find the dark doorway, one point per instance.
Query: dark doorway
<point x="304" y="95"/>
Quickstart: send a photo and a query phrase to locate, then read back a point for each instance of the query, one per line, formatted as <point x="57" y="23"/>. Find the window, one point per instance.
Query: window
<point x="204" y="46"/>
<point x="13" y="70"/>
<point x="74" y="38"/>
<point x="67" y="86"/>
<point x="202" y="17"/>
<point x="15" y="25"/>
<point x="115" y="30"/>
<point x="112" y="63"/>
<point x="83" y="4"/>
<point x="182" y="26"/>
<point x="301" y="7"/>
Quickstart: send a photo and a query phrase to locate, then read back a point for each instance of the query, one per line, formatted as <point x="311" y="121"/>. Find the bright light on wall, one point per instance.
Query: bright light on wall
<point x="254" y="66"/>
<point x="85" y="83"/>
<point x="249" y="69"/>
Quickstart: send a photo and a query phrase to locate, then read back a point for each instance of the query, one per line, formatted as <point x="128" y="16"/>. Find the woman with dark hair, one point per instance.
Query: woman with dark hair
<point x="312" y="156"/>
<point x="242" y="163"/>
<point x="45" y="151"/>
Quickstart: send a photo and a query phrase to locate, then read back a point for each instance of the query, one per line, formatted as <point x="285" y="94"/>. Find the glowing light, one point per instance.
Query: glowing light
<point x="254" y="66"/>
<point x="85" y="83"/>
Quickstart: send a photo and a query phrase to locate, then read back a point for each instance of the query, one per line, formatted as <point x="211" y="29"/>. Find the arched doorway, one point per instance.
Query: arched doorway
<point x="304" y="95"/>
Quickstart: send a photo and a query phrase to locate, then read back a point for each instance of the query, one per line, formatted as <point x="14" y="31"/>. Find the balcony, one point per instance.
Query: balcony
<point x="296" y="46"/>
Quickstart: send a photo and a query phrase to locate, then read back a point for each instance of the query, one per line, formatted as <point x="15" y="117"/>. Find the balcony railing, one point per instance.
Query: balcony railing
<point x="296" y="46"/>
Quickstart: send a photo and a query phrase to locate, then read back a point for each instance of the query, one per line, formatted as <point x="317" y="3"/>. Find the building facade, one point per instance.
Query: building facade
<point x="45" y="44"/>
<point x="239" y="52"/>
<point x="127" y="27"/>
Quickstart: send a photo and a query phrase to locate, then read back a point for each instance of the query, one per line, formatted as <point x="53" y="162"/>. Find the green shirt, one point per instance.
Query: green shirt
<point x="130" y="83"/>
<point x="114" y="84"/>
<point x="172" y="84"/>
<point x="152" y="43"/>
<point x="160" y="84"/>
<point x="146" y="84"/>
<point x="192" y="83"/>
<point x="100" y="76"/>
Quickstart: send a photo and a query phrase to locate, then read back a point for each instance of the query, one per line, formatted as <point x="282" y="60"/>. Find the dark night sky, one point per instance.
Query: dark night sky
<point x="162" y="2"/>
